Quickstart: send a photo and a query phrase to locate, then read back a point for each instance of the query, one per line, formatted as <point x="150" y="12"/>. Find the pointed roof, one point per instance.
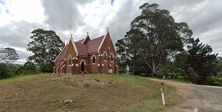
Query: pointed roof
<point x="94" y="44"/>
<point x="61" y="55"/>
<point x="84" y="47"/>
<point x="80" y="41"/>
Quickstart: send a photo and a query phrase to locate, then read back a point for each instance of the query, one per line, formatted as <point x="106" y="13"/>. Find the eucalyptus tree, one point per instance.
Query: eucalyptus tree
<point x="45" y="45"/>
<point x="8" y="55"/>
<point x="158" y="35"/>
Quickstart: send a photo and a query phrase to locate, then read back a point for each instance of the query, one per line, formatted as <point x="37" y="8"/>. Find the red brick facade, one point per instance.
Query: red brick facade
<point x="94" y="56"/>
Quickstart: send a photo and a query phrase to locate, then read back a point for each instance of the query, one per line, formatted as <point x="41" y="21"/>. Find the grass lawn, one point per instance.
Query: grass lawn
<point x="126" y="93"/>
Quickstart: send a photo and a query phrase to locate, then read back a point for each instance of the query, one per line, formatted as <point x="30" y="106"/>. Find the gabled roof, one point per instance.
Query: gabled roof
<point x="80" y="41"/>
<point x="82" y="49"/>
<point x="61" y="55"/>
<point x="94" y="44"/>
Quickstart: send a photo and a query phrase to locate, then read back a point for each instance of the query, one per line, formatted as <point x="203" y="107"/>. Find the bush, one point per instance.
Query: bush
<point x="219" y="75"/>
<point x="47" y="68"/>
<point x="171" y="71"/>
<point x="4" y="71"/>
<point x="192" y="76"/>
<point x="216" y="83"/>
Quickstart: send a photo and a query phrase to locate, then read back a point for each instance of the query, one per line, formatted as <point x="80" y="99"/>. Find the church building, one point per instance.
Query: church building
<point x="96" y="56"/>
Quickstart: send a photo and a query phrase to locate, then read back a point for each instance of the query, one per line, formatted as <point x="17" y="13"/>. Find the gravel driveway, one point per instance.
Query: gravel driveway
<point x="198" y="98"/>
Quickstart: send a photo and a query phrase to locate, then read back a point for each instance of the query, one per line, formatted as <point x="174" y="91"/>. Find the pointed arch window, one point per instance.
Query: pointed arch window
<point x="94" y="59"/>
<point x="70" y="58"/>
<point x="104" y="54"/>
<point x="111" y="57"/>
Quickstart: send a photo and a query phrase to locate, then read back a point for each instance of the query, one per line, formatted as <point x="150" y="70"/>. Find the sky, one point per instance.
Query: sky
<point x="18" y="18"/>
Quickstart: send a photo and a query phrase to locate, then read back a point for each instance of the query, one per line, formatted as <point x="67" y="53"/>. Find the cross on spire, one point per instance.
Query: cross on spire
<point x="71" y="35"/>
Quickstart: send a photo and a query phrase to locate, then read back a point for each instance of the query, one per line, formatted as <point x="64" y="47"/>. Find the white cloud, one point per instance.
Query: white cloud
<point x="27" y="10"/>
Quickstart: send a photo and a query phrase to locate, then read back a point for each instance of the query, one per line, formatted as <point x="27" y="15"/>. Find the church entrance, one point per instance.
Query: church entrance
<point x="82" y="66"/>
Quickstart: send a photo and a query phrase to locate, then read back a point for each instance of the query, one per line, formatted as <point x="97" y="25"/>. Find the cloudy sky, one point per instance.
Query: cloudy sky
<point x="18" y="18"/>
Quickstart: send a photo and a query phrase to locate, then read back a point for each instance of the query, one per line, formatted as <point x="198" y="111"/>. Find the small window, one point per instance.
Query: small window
<point x="70" y="58"/>
<point x="93" y="59"/>
<point x="111" y="57"/>
<point x="104" y="55"/>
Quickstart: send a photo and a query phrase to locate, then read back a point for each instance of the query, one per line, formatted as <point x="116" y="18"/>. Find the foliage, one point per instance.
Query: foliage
<point x="19" y="70"/>
<point x="8" y="55"/>
<point x="30" y="67"/>
<point x="216" y="83"/>
<point x="5" y="72"/>
<point x="192" y="76"/>
<point x="181" y="60"/>
<point x="218" y="67"/>
<point x="153" y="36"/>
<point x="47" y="68"/>
<point x="201" y="59"/>
<point x="45" y="45"/>
<point x="211" y="80"/>
<point x="219" y="75"/>
<point x="172" y="72"/>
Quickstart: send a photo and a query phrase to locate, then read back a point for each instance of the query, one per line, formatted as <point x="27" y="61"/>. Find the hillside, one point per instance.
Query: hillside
<point x="91" y="92"/>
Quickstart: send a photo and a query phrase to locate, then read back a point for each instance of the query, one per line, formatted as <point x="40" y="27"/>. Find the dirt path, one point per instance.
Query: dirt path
<point x="198" y="98"/>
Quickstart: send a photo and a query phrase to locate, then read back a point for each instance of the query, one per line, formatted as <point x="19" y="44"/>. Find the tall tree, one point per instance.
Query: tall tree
<point x="8" y="55"/>
<point x="45" y="45"/>
<point x="161" y="34"/>
<point x="201" y="59"/>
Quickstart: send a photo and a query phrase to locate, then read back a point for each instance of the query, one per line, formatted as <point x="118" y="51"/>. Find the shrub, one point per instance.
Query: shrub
<point x="219" y="75"/>
<point x="47" y="68"/>
<point x="86" y="85"/>
<point x="4" y="71"/>
<point x="174" y="72"/>
<point x="216" y="83"/>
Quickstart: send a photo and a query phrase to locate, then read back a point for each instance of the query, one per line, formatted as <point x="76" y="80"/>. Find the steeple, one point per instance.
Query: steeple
<point x="63" y="45"/>
<point x="86" y="39"/>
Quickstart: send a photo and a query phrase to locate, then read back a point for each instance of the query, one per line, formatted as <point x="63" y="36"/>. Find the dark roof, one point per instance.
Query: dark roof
<point x="62" y="54"/>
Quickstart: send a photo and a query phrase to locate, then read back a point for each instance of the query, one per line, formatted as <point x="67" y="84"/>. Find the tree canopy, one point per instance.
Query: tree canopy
<point x="45" y="45"/>
<point x="8" y="55"/>
<point x="154" y="35"/>
<point x="201" y="59"/>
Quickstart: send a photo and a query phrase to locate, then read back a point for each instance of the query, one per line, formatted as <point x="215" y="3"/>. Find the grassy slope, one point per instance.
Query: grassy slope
<point x="40" y="93"/>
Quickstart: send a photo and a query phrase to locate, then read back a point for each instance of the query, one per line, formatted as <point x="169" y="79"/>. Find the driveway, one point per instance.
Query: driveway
<point x="198" y="98"/>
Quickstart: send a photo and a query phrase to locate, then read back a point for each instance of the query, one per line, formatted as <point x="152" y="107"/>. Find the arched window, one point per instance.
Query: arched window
<point x="111" y="57"/>
<point x="94" y="59"/>
<point x="70" y="58"/>
<point x="104" y="54"/>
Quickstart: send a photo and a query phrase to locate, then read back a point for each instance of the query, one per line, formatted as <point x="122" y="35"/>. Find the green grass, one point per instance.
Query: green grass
<point x="127" y="93"/>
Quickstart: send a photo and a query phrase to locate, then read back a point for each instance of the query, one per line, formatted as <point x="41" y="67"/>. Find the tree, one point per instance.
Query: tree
<point x="129" y="52"/>
<point x="158" y="35"/>
<point x="4" y="71"/>
<point x="8" y="55"/>
<point x="29" y="67"/>
<point x="45" y="45"/>
<point x="201" y="59"/>
<point x="181" y="60"/>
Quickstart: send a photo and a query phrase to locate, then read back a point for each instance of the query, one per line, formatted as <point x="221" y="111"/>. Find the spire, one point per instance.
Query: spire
<point x="71" y="35"/>
<point x="87" y="33"/>
<point x="107" y="29"/>
<point x="63" y="45"/>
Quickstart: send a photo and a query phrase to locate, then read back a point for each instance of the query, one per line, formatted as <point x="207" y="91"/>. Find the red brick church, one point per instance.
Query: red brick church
<point x="88" y="56"/>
